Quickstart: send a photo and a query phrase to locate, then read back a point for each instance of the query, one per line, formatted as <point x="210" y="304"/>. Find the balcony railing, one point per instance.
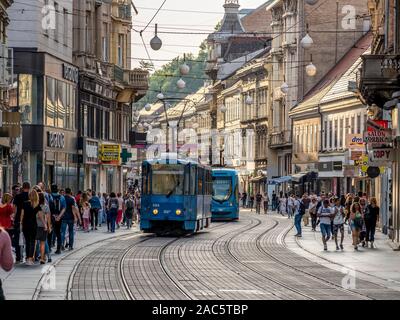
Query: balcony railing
<point x="380" y="76"/>
<point x="137" y="78"/>
<point x="279" y="138"/>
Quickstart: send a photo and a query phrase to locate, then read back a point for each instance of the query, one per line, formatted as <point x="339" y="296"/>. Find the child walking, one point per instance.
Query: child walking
<point x="86" y="215"/>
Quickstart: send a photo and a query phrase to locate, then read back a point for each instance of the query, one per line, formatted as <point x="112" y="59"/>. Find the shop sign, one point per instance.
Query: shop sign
<point x="110" y="153"/>
<point x="355" y="155"/>
<point x="55" y="140"/>
<point x="92" y="151"/>
<point x="10" y="124"/>
<point x="355" y="141"/>
<point x="378" y="138"/>
<point x="380" y="155"/>
<point x="70" y="73"/>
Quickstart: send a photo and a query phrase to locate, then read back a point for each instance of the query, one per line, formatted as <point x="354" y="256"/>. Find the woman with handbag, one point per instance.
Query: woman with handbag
<point x="356" y="223"/>
<point x="6" y="258"/>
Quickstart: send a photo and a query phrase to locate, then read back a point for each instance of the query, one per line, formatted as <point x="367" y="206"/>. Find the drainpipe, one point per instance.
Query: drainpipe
<point x="320" y="140"/>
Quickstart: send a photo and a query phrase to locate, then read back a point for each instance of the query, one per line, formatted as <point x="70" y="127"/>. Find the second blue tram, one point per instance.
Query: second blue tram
<point x="176" y="196"/>
<point x="225" y="198"/>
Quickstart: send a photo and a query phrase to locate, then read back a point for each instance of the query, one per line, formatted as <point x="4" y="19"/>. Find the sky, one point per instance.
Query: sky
<point x="208" y="14"/>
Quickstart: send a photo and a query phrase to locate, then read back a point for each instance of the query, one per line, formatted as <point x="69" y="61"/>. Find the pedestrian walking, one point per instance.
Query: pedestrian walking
<point x="112" y="207"/>
<point x="325" y="215"/>
<point x="6" y="214"/>
<point x="338" y="223"/>
<point x="120" y="211"/>
<point x="266" y="202"/>
<point x="312" y="210"/>
<point x="95" y="206"/>
<point x="68" y="218"/>
<point x="244" y="199"/>
<point x="57" y="207"/>
<point x="129" y="211"/>
<point x="86" y="212"/>
<point x="274" y="200"/>
<point x="6" y="257"/>
<point x="283" y="205"/>
<point x="18" y="202"/>
<point x="29" y="225"/>
<point x="356" y="222"/>
<point x="290" y="206"/>
<point x="251" y="202"/>
<point x="42" y="228"/>
<point x="299" y="210"/>
<point x="101" y="210"/>
<point x="259" y="199"/>
<point x="371" y="217"/>
<point x="306" y="217"/>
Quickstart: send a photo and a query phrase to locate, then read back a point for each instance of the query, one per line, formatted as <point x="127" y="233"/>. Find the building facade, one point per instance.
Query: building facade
<point x="7" y="97"/>
<point x="289" y="82"/>
<point x="47" y="90"/>
<point x="379" y="85"/>
<point x="107" y="88"/>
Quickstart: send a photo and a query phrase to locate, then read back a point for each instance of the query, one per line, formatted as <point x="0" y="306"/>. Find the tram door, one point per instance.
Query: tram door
<point x="187" y="184"/>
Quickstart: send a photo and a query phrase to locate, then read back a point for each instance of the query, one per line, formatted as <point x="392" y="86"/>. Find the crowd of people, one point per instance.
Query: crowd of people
<point x="37" y="219"/>
<point x="332" y="213"/>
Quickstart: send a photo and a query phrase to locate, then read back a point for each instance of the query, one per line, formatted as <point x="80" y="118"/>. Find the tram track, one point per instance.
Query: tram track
<point x="161" y="263"/>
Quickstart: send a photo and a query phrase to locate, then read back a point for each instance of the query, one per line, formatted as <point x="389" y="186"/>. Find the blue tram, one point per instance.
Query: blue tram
<point x="176" y="196"/>
<point x="225" y="197"/>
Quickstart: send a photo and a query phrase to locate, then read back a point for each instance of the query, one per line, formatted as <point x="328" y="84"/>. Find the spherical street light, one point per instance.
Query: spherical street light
<point x="160" y="96"/>
<point x="307" y="41"/>
<point x="223" y="109"/>
<point x="156" y="42"/>
<point x="311" y="70"/>
<point x="184" y="69"/>
<point x="147" y="107"/>
<point x="284" y="88"/>
<point x="181" y="84"/>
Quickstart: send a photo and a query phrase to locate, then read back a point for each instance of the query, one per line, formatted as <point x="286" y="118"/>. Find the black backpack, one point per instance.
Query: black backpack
<point x="55" y="205"/>
<point x="302" y="208"/>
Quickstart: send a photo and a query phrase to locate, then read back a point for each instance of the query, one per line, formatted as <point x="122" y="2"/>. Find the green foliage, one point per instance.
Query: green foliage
<point x="165" y="79"/>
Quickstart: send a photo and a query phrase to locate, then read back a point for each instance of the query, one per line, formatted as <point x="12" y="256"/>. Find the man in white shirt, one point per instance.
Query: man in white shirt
<point x="325" y="217"/>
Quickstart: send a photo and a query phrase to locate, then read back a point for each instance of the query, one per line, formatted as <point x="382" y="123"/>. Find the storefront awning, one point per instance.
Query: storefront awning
<point x="258" y="179"/>
<point x="297" y="177"/>
<point x="280" y="180"/>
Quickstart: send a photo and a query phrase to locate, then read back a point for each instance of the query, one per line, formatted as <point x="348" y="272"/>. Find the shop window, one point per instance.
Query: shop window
<point x="51" y="102"/>
<point x="61" y="104"/>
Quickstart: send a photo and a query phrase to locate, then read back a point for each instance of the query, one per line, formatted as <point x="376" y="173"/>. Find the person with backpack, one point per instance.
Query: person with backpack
<point x="371" y="217"/>
<point x="112" y="207"/>
<point x="95" y="206"/>
<point x="57" y="207"/>
<point x="129" y="210"/>
<point x="325" y="214"/>
<point x="68" y="218"/>
<point x="338" y="223"/>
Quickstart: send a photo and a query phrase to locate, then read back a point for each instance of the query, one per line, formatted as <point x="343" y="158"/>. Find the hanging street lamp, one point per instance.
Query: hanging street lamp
<point x="156" y="42"/>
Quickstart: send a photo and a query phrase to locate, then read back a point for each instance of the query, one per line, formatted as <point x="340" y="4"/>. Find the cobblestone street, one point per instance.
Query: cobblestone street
<point x="254" y="258"/>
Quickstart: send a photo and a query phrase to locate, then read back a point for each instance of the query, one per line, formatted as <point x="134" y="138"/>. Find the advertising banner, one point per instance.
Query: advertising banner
<point x="355" y="141"/>
<point x="110" y="153"/>
<point x="381" y="155"/>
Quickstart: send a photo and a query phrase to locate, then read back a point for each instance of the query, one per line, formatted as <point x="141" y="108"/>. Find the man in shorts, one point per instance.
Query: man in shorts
<point x="325" y="215"/>
<point x="338" y="223"/>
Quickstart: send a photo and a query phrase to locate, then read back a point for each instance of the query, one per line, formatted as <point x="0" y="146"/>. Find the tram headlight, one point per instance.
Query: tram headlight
<point x="178" y="212"/>
<point x="155" y="212"/>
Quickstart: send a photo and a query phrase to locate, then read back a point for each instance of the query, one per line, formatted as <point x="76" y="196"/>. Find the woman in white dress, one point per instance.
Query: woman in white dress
<point x="282" y="205"/>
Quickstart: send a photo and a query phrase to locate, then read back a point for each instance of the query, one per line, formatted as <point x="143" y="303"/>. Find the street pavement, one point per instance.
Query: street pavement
<point x="25" y="282"/>
<point x="257" y="257"/>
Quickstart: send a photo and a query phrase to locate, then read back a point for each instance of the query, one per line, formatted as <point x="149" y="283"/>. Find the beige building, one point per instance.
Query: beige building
<point x="108" y="87"/>
<point x="289" y="82"/>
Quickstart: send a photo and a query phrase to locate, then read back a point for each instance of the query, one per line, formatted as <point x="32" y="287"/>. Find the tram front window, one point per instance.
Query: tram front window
<point x="167" y="179"/>
<point x="222" y="189"/>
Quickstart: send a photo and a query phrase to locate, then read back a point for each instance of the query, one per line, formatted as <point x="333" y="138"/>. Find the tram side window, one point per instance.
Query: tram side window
<point x="187" y="180"/>
<point x="193" y="181"/>
<point x="200" y="182"/>
<point x="145" y="181"/>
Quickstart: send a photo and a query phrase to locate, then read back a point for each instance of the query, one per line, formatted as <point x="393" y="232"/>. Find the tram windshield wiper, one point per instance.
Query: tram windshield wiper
<point x="172" y="191"/>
